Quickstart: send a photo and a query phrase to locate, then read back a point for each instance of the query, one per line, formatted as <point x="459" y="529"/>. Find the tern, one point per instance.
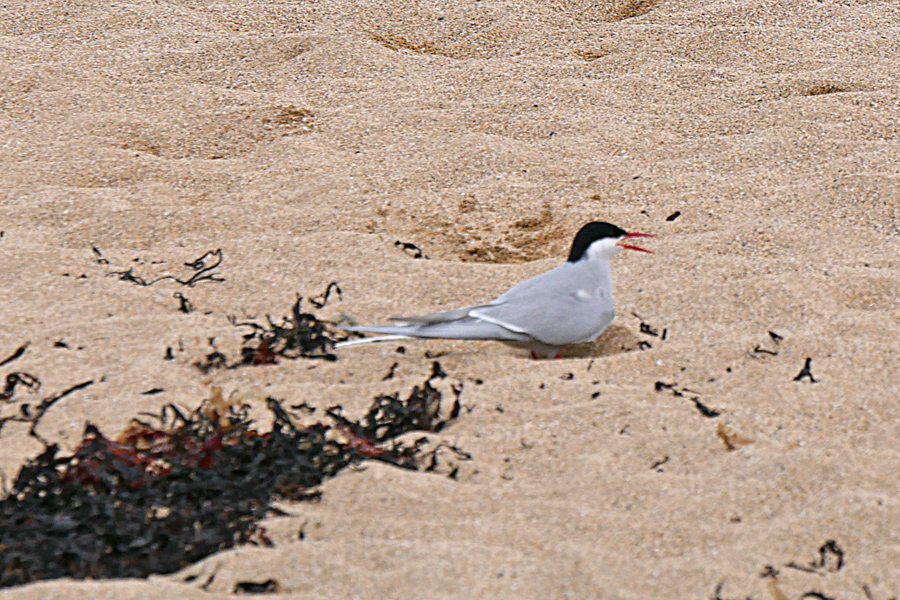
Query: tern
<point x="570" y="304"/>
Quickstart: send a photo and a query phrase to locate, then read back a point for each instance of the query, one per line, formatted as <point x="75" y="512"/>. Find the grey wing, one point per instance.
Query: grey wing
<point x="536" y="284"/>
<point x="467" y="328"/>
<point x="442" y="316"/>
<point x="556" y="321"/>
<point x="450" y="324"/>
<point x="552" y="309"/>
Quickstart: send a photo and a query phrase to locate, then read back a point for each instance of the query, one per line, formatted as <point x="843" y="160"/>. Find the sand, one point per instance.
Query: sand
<point x="305" y="138"/>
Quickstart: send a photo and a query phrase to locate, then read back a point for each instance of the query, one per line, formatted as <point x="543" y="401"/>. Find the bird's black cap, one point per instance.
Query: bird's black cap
<point x="589" y="234"/>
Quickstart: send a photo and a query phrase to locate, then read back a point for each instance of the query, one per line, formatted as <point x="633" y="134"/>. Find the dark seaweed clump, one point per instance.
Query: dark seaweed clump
<point x="299" y="335"/>
<point x="160" y="497"/>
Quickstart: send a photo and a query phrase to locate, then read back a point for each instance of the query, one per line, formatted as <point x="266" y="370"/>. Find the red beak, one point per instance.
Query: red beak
<point x="635" y="234"/>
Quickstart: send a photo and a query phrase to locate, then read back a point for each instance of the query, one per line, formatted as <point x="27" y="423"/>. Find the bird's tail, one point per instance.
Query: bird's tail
<point x="371" y="340"/>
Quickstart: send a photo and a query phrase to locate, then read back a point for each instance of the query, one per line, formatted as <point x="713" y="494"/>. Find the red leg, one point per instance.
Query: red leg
<point x="558" y="354"/>
<point x="534" y="355"/>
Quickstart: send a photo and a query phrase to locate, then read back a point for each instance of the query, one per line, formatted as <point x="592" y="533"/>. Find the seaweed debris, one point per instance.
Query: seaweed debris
<point x="391" y="416"/>
<point x="411" y="249"/>
<point x="161" y="496"/>
<point x="322" y="301"/>
<point x="34" y="417"/>
<point x="806" y="372"/>
<point x="299" y="335"/>
<point x="203" y="270"/>
<point x="15" y="379"/>
<point x="15" y="355"/>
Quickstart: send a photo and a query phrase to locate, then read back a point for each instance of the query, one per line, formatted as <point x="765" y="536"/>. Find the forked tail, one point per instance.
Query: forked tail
<point x="371" y="340"/>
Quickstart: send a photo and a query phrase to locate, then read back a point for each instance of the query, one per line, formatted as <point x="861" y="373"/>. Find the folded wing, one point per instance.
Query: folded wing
<point x="467" y="328"/>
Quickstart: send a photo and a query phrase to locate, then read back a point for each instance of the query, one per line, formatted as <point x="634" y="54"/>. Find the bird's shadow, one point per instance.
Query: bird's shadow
<point x="617" y="339"/>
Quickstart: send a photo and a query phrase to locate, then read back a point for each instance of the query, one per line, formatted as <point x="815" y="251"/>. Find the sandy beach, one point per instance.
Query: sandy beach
<point x="758" y="140"/>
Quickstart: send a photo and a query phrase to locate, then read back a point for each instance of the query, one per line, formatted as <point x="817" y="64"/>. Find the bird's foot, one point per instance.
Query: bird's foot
<point x="536" y="356"/>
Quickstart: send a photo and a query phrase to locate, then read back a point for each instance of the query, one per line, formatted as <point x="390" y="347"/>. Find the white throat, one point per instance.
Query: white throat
<point x="603" y="249"/>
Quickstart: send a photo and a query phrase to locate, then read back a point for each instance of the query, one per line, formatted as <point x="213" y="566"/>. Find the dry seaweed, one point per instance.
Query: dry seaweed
<point x="321" y="301"/>
<point x="831" y="559"/>
<point x="202" y="271"/>
<point x="13" y="380"/>
<point x="15" y="355"/>
<point x="160" y="497"/>
<point x="709" y="413"/>
<point x="299" y="335"/>
<point x="213" y="360"/>
<point x="184" y="305"/>
<point x="34" y="419"/>
<point x="98" y="256"/>
<point x="806" y="372"/>
<point x="390" y="416"/>
<point x="411" y="249"/>
<point x="648" y="329"/>
<point x="269" y="586"/>
<point x="391" y="372"/>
